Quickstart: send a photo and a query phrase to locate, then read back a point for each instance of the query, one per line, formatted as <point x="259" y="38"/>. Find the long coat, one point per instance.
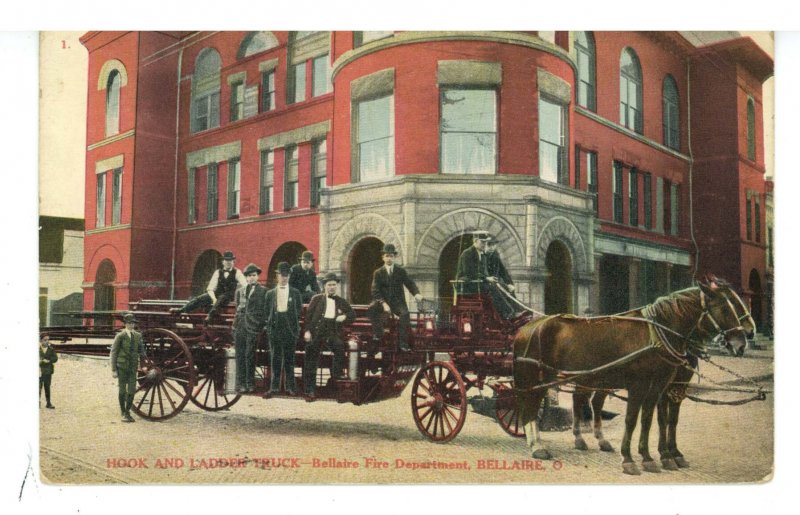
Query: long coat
<point x="293" y="307"/>
<point x="305" y="281"/>
<point x="390" y="289"/>
<point x="126" y="350"/>
<point x="251" y="312"/>
<point x="471" y="268"/>
<point x="496" y="268"/>
<point x="316" y="312"/>
<point x="46" y="359"/>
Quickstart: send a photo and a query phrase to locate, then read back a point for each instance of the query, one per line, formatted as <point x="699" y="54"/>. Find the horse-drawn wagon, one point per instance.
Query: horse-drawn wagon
<point x="466" y="345"/>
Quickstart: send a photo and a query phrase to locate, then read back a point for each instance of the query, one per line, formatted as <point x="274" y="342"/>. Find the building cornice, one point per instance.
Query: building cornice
<point x="414" y="37"/>
<point x="118" y="227"/>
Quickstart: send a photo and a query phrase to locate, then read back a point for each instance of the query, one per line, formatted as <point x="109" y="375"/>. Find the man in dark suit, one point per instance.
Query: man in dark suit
<point x="283" y="304"/>
<point x="497" y="270"/>
<point x="388" y="296"/>
<point x="126" y="350"/>
<point x="248" y="323"/>
<point x="303" y="278"/>
<point x="326" y="315"/>
<point x="472" y="267"/>
<point x="221" y="288"/>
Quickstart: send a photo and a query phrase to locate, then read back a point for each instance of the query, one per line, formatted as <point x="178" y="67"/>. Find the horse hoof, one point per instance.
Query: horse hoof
<point x="681" y="462"/>
<point x="651" y="466"/>
<point x="580" y="444"/>
<point x="542" y="454"/>
<point x="631" y="469"/>
<point x="605" y="446"/>
<point x="668" y="464"/>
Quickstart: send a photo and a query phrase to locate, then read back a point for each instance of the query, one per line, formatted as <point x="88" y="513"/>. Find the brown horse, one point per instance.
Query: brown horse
<point x="640" y="352"/>
<point x="668" y="408"/>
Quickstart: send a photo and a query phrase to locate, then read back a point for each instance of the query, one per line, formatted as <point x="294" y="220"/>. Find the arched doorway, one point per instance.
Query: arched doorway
<point x="754" y="285"/>
<point x="448" y="266"/>
<point x="105" y="298"/>
<point x="558" y="283"/>
<point x="614" y="284"/>
<point x="204" y="268"/>
<point x="365" y="258"/>
<point x="289" y="252"/>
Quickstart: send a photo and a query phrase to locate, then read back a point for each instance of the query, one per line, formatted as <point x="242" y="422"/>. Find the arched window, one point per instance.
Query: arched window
<point x="586" y="57"/>
<point x="205" y="91"/>
<point x="670" y="113"/>
<point x="751" y="129"/>
<point x="630" y="91"/>
<point x="112" y="103"/>
<point x="256" y="42"/>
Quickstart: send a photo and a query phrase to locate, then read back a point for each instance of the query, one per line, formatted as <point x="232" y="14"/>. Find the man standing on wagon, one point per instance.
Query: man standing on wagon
<point x="283" y="305"/>
<point x="221" y="288"/>
<point x="388" y="297"/>
<point x="126" y="350"/>
<point x="326" y="315"/>
<point x="496" y="270"/>
<point x="247" y="326"/>
<point x="303" y="278"/>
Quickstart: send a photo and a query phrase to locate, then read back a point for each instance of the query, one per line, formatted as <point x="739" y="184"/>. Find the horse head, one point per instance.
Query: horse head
<point x="725" y="317"/>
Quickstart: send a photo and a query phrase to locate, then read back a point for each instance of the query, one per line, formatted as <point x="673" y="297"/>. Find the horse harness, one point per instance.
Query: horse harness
<point x="658" y="340"/>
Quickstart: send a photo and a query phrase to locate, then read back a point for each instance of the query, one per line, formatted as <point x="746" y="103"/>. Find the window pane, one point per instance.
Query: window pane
<point x="376" y="159"/>
<point x="299" y="82"/>
<point x="469" y="110"/>
<point x="551" y="135"/>
<point x="101" y="200"/>
<point x="321" y="76"/>
<point x="374" y="120"/>
<point x="468" y="153"/>
<point x="112" y="104"/>
<point x="550" y="120"/>
<point x="116" y="197"/>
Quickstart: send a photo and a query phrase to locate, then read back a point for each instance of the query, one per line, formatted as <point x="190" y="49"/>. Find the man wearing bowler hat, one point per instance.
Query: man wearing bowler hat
<point x="126" y="350"/>
<point x="283" y="305"/>
<point x="388" y="296"/>
<point x="325" y="317"/>
<point x="303" y="277"/>
<point x="247" y="326"/>
<point x="221" y="288"/>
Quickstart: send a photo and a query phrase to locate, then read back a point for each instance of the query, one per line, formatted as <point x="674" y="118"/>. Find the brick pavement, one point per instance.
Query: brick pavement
<point x="290" y="441"/>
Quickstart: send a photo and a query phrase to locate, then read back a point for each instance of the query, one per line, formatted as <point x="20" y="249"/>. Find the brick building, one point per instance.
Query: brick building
<point x="594" y="157"/>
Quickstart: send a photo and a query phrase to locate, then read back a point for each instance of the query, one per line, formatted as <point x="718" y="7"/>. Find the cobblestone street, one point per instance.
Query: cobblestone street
<point x="290" y="441"/>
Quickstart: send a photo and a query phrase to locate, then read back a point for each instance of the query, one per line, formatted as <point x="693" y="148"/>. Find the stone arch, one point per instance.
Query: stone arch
<point x="359" y="227"/>
<point x="562" y="229"/>
<point x="256" y="42"/>
<point x="461" y="221"/>
<point x="108" y="67"/>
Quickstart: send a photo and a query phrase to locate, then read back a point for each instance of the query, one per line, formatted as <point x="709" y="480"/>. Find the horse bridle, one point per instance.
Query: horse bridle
<point x="706" y="314"/>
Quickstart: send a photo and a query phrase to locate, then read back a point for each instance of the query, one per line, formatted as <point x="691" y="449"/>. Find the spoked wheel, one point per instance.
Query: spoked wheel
<point x="166" y="387"/>
<point x="439" y="401"/>
<point x="209" y="394"/>
<point x="505" y="408"/>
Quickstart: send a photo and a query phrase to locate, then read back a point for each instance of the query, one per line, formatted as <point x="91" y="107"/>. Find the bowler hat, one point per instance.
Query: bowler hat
<point x="307" y="256"/>
<point x="128" y="318"/>
<point x="284" y="268"/>
<point x="330" y="276"/>
<point x="252" y="269"/>
<point x="228" y="256"/>
<point x="492" y="239"/>
<point x="389" y="249"/>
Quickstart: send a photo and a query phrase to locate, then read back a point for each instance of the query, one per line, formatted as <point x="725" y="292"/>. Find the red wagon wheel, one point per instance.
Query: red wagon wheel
<point x="166" y="387"/>
<point x="505" y="408"/>
<point x="209" y="394"/>
<point x="439" y="401"/>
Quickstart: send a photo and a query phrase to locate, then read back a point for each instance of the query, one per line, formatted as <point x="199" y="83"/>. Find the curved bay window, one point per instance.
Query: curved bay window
<point x="586" y="57"/>
<point x="630" y="91"/>
<point x="468" y="131"/>
<point x="374" y="138"/>
<point x="552" y="142"/>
